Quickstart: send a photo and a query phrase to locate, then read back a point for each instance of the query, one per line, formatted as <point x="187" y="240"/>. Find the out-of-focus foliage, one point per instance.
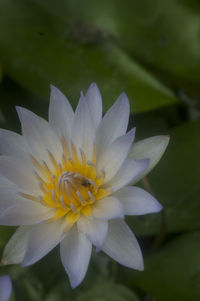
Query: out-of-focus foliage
<point x="150" y="50"/>
<point x="70" y="54"/>
<point x="173" y="273"/>
<point x="104" y="291"/>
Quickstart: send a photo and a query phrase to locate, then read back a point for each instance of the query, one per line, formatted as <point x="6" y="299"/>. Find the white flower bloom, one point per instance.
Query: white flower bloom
<point x="5" y="288"/>
<point x="66" y="182"/>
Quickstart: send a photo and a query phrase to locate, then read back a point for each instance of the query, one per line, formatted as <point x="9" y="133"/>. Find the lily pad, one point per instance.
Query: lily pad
<point x="173" y="273"/>
<point x="39" y="48"/>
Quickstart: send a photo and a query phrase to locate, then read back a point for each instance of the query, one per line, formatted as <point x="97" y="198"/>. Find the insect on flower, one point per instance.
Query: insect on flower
<point x="67" y="181"/>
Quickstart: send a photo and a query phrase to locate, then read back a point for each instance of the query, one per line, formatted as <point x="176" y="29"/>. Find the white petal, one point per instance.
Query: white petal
<point x="95" y="230"/>
<point x="15" y="249"/>
<point x="137" y="201"/>
<point x="9" y="197"/>
<point x="5" y="182"/>
<point x="122" y="246"/>
<point x="129" y="172"/>
<point x="5" y="288"/>
<point x="108" y="208"/>
<point x="114" y="123"/>
<point x="42" y="239"/>
<point x="13" y="144"/>
<point x="75" y="250"/>
<point x="152" y="148"/>
<point x="112" y="159"/>
<point x="25" y="213"/>
<point x="61" y="114"/>
<point x="18" y="172"/>
<point x="83" y="132"/>
<point x="39" y="135"/>
<point x="94" y="101"/>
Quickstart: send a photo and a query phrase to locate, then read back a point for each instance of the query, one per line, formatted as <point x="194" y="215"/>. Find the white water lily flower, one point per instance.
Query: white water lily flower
<point x="66" y="182"/>
<point x="5" y="288"/>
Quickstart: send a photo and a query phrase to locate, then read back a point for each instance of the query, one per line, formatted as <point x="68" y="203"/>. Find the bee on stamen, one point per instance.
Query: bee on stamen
<point x="85" y="183"/>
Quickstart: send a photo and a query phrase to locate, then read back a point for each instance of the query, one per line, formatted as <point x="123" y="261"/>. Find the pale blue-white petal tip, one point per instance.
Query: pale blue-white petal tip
<point x="21" y="111"/>
<point x="75" y="281"/>
<point x="5" y="288"/>
<point x="93" y="85"/>
<point x="158" y="207"/>
<point x="81" y="94"/>
<point x="52" y="87"/>
<point x="167" y="139"/>
<point x="140" y="266"/>
<point x="55" y="92"/>
<point x="123" y="97"/>
<point x="138" y="263"/>
<point x="154" y="206"/>
<point x="93" y="90"/>
<point x="18" y="109"/>
<point x="164" y="140"/>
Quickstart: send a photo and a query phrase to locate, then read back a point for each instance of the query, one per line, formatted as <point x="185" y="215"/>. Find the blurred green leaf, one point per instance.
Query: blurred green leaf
<point x="38" y="48"/>
<point x="161" y="34"/>
<point x="107" y="291"/>
<point x="173" y="273"/>
<point x="58" y="293"/>
<point x="175" y="182"/>
<point x="28" y="288"/>
<point x="5" y="234"/>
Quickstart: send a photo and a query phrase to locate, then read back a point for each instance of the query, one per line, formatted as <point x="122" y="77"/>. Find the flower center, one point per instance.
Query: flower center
<point x="71" y="186"/>
<point x="75" y="190"/>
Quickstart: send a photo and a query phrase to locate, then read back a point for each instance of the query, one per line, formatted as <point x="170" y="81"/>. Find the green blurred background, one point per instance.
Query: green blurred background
<point x="151" y="50"/>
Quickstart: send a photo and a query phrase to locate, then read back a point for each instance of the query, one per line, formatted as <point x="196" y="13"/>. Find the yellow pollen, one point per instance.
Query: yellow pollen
<point x="71" y="186"/>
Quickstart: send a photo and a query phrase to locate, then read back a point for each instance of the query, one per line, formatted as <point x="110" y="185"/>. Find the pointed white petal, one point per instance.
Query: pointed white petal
<point x="25" y="213"/>
<point x="10" y="194"/>
<point x="15" y="249"/>
<point x="108" y="208"/>
<point x="152" y="148"/>
<point x="5" y="288"/>
<point x="122" y="246"/>
<point x="9" y="197"/>
<point x="94" y="101"/>
<point x="114" y="123"/>
<point x="39" y="135"/>
<point x="83" y="132"/>
<point x="42" y="239"/>
<point x="13" y="144"/>
<point x="18" y="172"/>
<point x="95" y="230"/>
<point x="137" y="201"/>
<point x="75" y="250"/>
<point x="112" y="159"/>
<point x="61" y="114"/>
<point x="128" y="173"/>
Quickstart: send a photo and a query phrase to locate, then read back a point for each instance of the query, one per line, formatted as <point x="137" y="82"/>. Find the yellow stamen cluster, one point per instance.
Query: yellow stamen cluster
<point x="71" y="186"/>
